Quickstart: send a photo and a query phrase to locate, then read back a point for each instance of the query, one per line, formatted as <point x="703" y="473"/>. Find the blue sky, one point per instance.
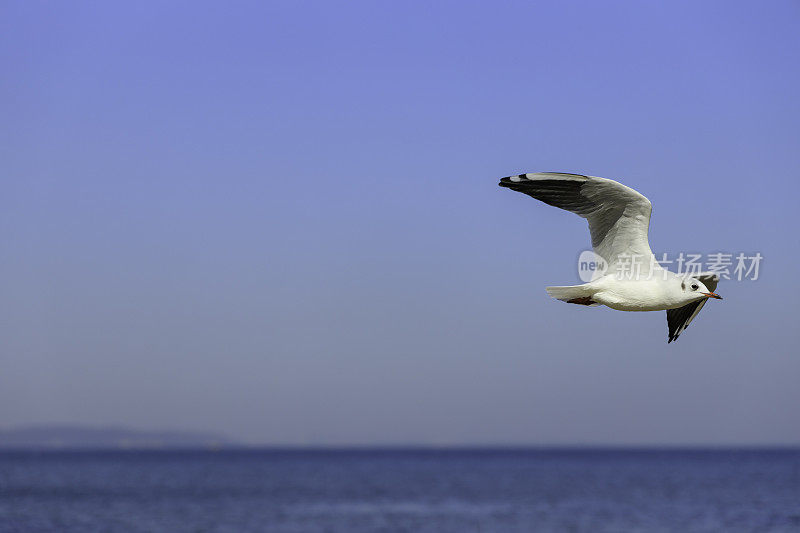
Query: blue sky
<point x="282" y="220"/>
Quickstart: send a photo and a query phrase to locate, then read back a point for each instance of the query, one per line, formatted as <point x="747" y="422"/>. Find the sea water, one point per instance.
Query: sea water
<point x="425" y="490"/>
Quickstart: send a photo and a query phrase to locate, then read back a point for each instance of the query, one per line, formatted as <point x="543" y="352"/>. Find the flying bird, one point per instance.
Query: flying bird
<point x="619" y="219"/>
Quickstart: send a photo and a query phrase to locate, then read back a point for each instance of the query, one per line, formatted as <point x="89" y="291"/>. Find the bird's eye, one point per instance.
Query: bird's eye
<point x="695" y="286"/>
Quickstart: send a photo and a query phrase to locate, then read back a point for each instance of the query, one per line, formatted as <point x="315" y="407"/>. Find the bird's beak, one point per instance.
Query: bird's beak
<point x="713" y="295"/>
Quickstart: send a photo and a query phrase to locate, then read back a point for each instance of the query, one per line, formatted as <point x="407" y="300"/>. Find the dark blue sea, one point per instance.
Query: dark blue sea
<point x="355" y="491"/>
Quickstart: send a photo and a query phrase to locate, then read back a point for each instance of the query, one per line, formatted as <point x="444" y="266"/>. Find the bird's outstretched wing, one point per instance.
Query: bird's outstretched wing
<point x="679" y="319"/>
<point x="618" y="216"/>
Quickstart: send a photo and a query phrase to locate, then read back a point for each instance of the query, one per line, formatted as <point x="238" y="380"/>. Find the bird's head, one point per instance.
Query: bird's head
<point x="694" y="289"/>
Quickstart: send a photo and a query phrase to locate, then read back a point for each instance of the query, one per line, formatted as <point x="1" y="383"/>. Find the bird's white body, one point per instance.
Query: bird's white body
<point x="641" y="295"/>
<point x="619" y="220"/>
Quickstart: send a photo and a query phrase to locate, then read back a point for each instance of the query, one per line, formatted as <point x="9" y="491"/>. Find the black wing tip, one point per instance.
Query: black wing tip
<point x="522" y="178"/>
<point x="513" y="184"/>
<point x="674" y="336"/>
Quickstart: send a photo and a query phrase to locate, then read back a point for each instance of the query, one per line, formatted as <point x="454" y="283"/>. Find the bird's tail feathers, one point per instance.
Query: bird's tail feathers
<point x="574" y="294"/>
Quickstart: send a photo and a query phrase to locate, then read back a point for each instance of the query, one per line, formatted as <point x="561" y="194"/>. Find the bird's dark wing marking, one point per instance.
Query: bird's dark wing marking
<point x="566" y="191"/>
<point x="678" y="319"/>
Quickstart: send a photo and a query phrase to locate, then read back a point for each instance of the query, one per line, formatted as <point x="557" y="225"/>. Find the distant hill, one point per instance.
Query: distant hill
<point x="73" y="436"/>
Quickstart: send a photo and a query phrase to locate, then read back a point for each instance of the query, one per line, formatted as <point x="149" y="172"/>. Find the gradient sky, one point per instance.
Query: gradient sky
<point x="281" y="220"/>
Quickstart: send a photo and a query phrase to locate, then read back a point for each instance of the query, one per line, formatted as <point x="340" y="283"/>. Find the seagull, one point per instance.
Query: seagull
<point x="619" y="218"/>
